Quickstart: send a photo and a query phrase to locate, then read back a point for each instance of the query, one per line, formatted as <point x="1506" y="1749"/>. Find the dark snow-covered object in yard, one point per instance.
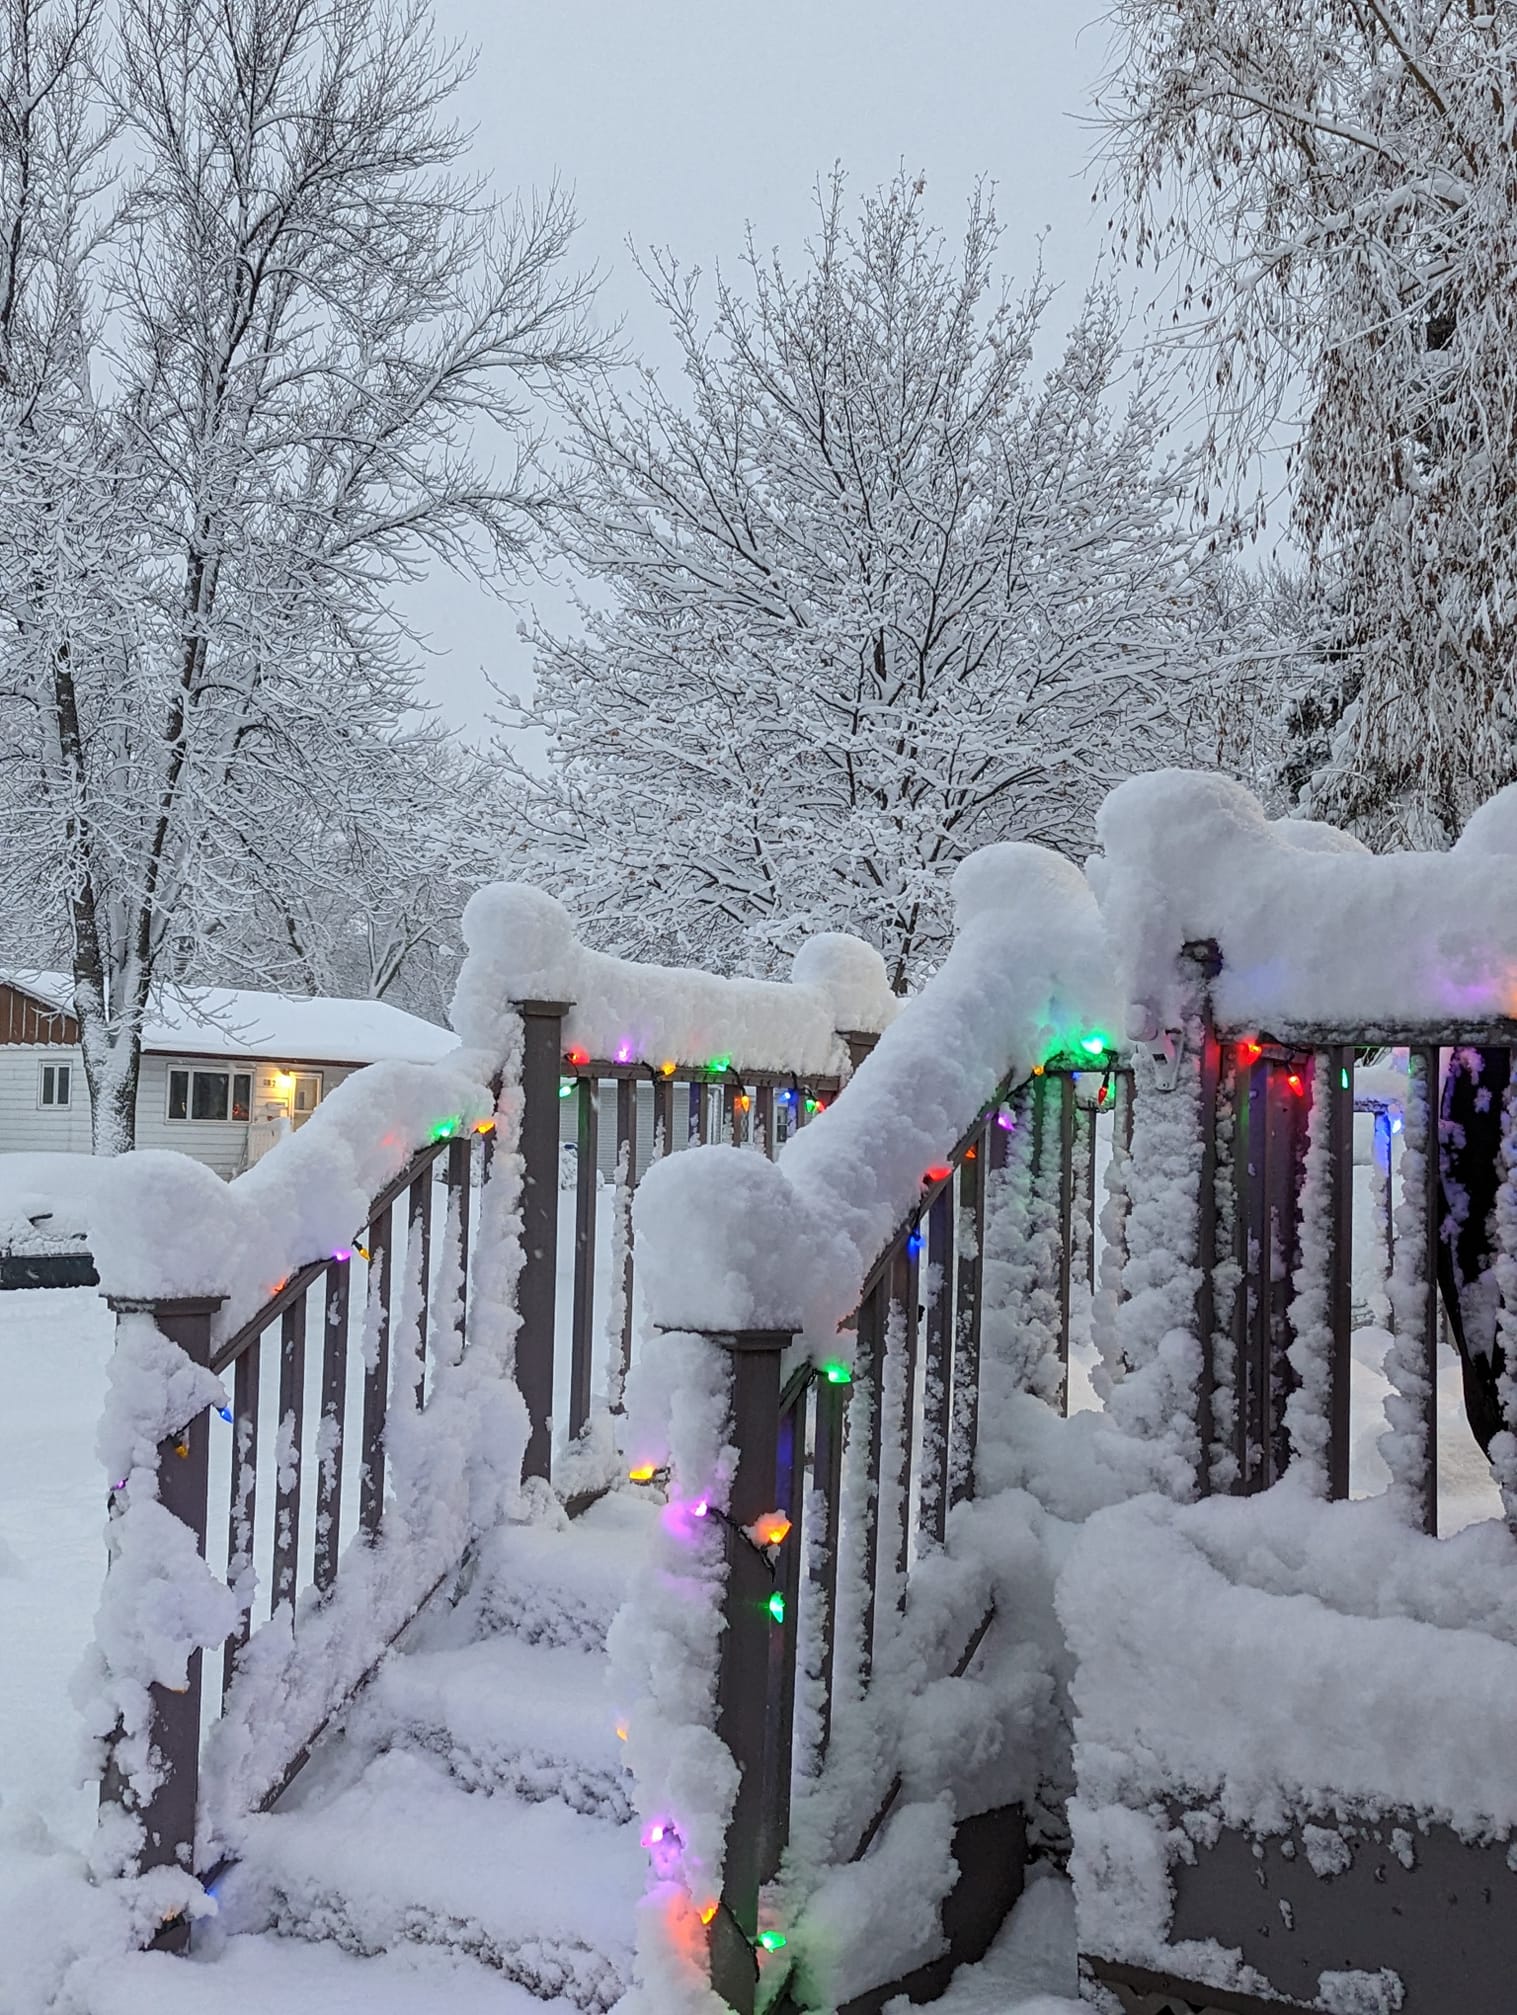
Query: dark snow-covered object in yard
<point x="44" y="1220"/>
<point x="1321" y="933"/>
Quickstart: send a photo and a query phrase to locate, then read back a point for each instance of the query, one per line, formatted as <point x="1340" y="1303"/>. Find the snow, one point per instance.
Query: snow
<point x="45" y="1199"/>
<point x="1030" y="1968"/>
<point x="494" y="1761"/>
<point x="162" y="1225"/>
<point x="1026" y="977"/>
<point x="55" y="1346"/>
<point x="522" y="946"/>
<point x="1372" y="1667"/>
<point x="239" y="1022"/>
<point x="876" y="1919"/>
<point x="664" y="1648"/>
<point x="1327" y="935"/>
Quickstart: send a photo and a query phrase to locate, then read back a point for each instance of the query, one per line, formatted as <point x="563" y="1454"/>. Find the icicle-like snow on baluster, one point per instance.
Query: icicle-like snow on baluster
<point x="1155" y="1402"/>
<point x="932" y="1472"/>
<point x="1227" y="1284"/>
<point x="1107" y="1371"/>
<point x="1019" y="1323"/>
<point x="1405" y="1442"/>
<point x="1504" y="1446"/>
<point x="1308" y="1410"/>
<point x="616" y="1299"/>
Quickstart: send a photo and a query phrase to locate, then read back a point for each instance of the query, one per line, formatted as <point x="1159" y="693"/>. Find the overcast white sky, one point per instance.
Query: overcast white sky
<point x="678" y="121"/>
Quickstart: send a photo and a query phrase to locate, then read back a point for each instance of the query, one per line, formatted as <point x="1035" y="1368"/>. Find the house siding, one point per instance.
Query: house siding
<point x="26" y="1020"/>
<point x="27" y="1127"/>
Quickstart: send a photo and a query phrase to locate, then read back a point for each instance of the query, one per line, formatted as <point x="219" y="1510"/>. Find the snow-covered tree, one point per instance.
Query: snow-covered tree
<point x="865" y="593"/>
<point x="1339" y="181"/>
<point x="372" y="914"/>
<point x="251" y="319"/>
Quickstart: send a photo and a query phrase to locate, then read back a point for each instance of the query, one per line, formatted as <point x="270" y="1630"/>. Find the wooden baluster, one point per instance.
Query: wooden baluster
<point x="537" y="1287"/>
<point x="582" y="1334"/>
<point x="827" y="1483"/>
<point x="376" y="1381"/>
<point x="419" y="1269"/>
<point x="967" y="1306"/>
<point x="336" y="1320"/>
<point x="242" y="1514"/>
<point x="938" y="1389"/>
<point x="289" y="1436"/>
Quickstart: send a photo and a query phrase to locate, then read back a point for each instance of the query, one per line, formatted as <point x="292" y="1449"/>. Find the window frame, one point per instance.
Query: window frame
<point x="190" y="1072"/>
<point x="54" y="1104"/>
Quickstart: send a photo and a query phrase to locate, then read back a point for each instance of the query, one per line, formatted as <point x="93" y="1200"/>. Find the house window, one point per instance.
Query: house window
<point x="210" y="1094"/>
<point x="57" y="1078"/>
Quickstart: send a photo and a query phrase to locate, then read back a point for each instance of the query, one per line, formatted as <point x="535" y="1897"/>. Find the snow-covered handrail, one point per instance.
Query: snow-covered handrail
<point x="259" y="1274"/>
<point x="731" y="1243"/>
<point x="1317" y="936"/>
<point x="164" y="1225"/>
<point x="522" y="946"/>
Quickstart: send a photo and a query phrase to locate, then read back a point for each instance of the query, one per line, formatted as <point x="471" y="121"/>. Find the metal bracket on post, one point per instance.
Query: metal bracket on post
<point x="542" y="1065"/>
<point x="1167" y="1049"/>
<point x="168" y="1817"/>
<point x="752" y="1659"/>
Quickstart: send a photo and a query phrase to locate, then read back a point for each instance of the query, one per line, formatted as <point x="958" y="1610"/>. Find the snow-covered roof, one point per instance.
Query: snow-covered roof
<point x="238" y="1022"/>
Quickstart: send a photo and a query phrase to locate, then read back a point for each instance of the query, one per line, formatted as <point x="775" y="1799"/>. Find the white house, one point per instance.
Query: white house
<point x="224" y="1072"/>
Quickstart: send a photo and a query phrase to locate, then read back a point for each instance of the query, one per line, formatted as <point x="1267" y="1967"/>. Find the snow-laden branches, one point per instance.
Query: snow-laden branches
<point x="866" y="596"/>
<point x="1337" y="178"/>
<point x="252" y="321"/>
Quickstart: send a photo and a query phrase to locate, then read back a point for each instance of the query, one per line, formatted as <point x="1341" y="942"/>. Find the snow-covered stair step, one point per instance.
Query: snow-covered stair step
<point x="561" y="1585"/>
<point x="543" y="1894"/>
<point x="535" y="1720"/>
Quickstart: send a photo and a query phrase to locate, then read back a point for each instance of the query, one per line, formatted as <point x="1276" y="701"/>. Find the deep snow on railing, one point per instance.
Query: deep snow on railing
<point x="1303" y="1689"/>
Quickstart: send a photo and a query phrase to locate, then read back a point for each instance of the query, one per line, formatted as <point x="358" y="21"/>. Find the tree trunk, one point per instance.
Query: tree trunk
<point x="112" y="1068"/>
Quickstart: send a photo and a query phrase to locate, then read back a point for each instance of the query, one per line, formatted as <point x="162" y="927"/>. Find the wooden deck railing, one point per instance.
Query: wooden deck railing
<point x="659" y="1108"/>
<point x="906" y="1408"/>
<point x="294" y="1471"/>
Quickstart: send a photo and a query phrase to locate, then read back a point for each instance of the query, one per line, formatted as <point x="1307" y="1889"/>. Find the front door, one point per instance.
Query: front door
<point x="307" y="1095"/>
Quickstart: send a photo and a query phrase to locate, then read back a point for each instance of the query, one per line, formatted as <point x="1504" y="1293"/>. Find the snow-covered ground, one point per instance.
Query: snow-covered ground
<point x="53" y="1350"/>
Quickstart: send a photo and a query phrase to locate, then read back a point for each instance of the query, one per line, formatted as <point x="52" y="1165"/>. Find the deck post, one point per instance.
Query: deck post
<point x="753" y="1659"/>
<point x="858" y="1043"/>
<point x="168" y="1817"/>
<point x="542" y="1064"/>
